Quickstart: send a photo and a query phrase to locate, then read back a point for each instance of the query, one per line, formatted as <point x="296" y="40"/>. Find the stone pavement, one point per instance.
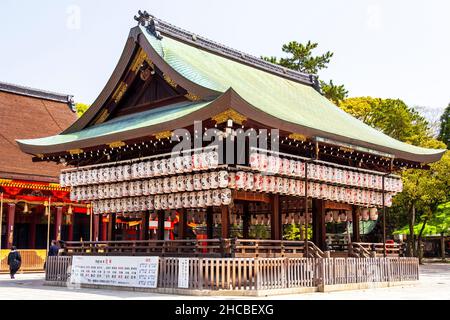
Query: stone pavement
<point x="434" y="284"/>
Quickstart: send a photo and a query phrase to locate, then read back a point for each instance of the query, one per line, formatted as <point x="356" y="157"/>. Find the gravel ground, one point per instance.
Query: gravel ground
<point x="434" y="283"/>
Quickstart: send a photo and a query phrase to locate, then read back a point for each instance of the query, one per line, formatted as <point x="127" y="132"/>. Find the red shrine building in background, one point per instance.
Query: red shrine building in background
<point x="29" y="191"/>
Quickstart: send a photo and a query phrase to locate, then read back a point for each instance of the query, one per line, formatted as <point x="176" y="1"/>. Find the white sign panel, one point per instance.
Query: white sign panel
<point x="140" y="272"/>
<point x="183" y="273"/>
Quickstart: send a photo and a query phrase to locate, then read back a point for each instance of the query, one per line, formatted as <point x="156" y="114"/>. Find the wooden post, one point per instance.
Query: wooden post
<point x="104" y="230"/>
<point x="384" y="220"/>
<point x="70" y="227"/>
<point x="319" y="229"/>
<point x="246" y="221"/>
<point x="58" y="222"/>
<point x="355" y="222"/>
<point x="275" y="223"/>
<point x="144" y="225"/>
<point x="96" y="225"/>
<point x="10" y="225"/>
<point x="32" y="234"/>
<point x="209" y="223"/>
<point x="112" y="227"/>
<point x="306" y="212"/>
<point x="182" y="224"/>
<point x="225" y="222"/>
<point x="161" y="216"/>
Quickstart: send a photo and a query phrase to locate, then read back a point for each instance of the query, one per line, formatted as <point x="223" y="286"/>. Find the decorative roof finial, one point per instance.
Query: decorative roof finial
<point x="149" y="22"/>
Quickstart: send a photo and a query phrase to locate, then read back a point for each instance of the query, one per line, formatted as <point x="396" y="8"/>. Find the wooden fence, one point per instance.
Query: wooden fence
<point x="240" y="274"/>
<point x="32" y="260"/>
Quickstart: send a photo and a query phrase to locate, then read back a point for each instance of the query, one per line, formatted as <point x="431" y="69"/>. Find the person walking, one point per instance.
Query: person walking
<point x="14" y="262"/>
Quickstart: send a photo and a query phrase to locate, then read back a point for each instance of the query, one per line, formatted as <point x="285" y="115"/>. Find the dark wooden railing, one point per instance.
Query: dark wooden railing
<point x="172" y="248"/>
<point x="238" y="248"/>
<point x="244" y="274"/>
<point x="367" y="250"/>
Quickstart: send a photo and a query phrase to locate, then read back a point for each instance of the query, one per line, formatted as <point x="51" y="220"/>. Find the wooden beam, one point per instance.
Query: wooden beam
<point x="10" y="225"/>
<point x="112" y="227"/>
<point x="182" y="224"/>
<point x="209" y="223"/>
<point x="225" y="222"/>
<point x="161" y="217"/>
<point x="96" y="227"/>
<point x="275" y="223"/>
<point x="246" y="221"/>
<point x="356" y="237"/>
<point x="319" y="229"/>
<point x="144" y="225"/>
<point x="58" y="222"/>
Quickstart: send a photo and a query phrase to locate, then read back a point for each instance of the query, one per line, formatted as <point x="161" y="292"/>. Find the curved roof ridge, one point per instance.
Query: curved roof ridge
<point x="159" y="27"/>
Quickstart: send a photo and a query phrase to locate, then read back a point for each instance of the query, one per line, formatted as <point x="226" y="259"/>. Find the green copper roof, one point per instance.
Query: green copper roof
<point x="282" y="98"/>
<point x="122" y="124"/>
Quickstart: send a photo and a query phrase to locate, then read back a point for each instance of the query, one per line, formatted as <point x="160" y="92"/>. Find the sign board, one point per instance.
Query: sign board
<point x="183" y="273"/>
<point x="139" y="272"/>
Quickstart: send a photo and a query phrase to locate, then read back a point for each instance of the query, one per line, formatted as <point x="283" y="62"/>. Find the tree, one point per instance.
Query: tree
<point x="444" y="133"/>
<point x="81" y="108"/>
<point x="333" y="92"/>
<point x="300" y="58"/>
<point x="390" y="116"/>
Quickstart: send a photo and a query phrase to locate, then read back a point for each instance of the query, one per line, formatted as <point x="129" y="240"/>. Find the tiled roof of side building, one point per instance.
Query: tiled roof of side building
<point x="31" y="114"/>
<point x="36" y="93"/>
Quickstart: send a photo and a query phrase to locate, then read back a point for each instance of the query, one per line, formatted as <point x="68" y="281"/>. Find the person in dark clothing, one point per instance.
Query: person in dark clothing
<point x="14" y="261"/>
<point x="53" y="250"/>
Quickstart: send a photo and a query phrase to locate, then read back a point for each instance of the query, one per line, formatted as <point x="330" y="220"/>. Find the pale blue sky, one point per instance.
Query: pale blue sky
<point x="395" y="49"/>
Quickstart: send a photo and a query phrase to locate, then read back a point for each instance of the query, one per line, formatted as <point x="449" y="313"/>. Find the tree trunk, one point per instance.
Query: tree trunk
<point x="442" y="246"/>
<point x="419" y="241"/>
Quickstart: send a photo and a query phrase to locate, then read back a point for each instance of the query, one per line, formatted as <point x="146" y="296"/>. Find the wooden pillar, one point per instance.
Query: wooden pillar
<point x="32" y="234"/>
<point x="144" y="225"/>
<point x="275" y="222"/>
<point x="209" y="223"/>
<point x="246" y="221"/>
<point x="70" y="227"/>
<point x="355" y="223"/>
<point x="319" y="228"/>
<point x="225" y="222"/>
<point x="10" y="225"/>
<point x="182" y="224"/>
<point x="95" y="227"/>
<point x="161" y="216"/>
<point x="58" y="222"/>
<point x="112" y="227"/>
<point x="104" y="230"/>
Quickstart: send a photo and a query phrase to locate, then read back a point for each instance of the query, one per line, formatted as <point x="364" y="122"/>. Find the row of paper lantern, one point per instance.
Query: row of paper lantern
<point x="201" y="199"/>
<point x="224" y="179"/>
<point x="366" y="214"/>
<point x="294" y="168"/>
<point x="174" y="184"/>
<point x="141" y="170"/>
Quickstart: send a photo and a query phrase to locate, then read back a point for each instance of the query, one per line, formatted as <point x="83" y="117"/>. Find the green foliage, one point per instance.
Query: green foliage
<point x="293" y="232"/>
<point x="259" y="232"/>
<point x="439" y="223"/>
<point x="444" y="133"/>
<point x="390" y="116"/>
<point x="300" y="58"/>
<point x="81" y="108"/>
<point x="333" y="92"/>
